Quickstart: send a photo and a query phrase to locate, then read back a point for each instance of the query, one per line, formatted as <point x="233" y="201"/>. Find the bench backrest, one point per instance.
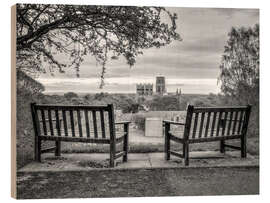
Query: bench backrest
<point x="212" y="122"/>
<point x="74" y="121"/>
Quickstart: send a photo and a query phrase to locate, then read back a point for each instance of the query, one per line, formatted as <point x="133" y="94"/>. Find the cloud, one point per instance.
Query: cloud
<point x="196" y="58"/>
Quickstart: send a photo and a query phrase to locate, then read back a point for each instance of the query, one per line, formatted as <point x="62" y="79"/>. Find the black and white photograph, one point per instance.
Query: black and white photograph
<point x="134" y="101"/>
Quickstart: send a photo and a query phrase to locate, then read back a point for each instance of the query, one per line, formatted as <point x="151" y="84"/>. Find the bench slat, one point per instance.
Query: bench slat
<point x="213" y="124"/>
<point x="95" y="123"/>
<point x="218" y="109"/>
<point x="207" y="124"/>
<point x="58" y="126"/>
<point x="50" y="121"/>
<point x="201" y="124"/>
<point x="240" y="122"/>
<point x="180" y="134"/>
<point x="70" y="107"/>
<point x="65" y="122"/>
<point x="235" y="121"/>
<point x="195" y="125"/>
<point x="230" y="123"/>
<point x="224" y="123"/>
<point x="102" y="123"/>
<point x="219" y="121"/>
<point x="118" y="133"/>
<point x="76" y="139"/>
<point x="79" y="122"/>
<point x="210" y="139"/>
<point x="43" y="122"/>
<point x="72" y="123"/>
<point x="87" y="123"/>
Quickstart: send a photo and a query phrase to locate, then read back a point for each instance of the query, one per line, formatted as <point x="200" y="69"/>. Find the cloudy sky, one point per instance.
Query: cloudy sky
<point x="192" y="64"/>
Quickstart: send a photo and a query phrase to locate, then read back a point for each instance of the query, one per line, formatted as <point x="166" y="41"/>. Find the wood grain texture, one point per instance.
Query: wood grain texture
<point x="13" y="103"/>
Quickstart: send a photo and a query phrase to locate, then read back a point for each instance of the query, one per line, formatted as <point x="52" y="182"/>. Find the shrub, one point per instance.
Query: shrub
<point x="164" y="103"/>
<point x="24" y="125"/>
<point x="100" y="96"/>
<point x="70" y="95"/>
<point x="26" y="82"/>
<point x="132" y="108"/>
<point x="88" y="97"/>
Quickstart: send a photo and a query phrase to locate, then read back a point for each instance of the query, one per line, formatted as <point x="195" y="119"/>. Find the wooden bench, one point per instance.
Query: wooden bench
<point x="87" y="124"/>
<point x="207" y="125"/>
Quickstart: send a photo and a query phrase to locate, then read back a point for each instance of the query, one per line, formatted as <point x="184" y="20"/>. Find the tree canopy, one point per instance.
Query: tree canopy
<point x="46" y="32"/>
<point x="240" y="65"/>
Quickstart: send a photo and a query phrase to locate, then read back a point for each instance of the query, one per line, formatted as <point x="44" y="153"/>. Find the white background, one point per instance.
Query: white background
<point x="5" y="107"/>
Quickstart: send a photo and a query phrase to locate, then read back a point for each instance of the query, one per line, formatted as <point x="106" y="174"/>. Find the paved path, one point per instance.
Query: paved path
<point x="85" y="161"/>
<point x="137" y="136"/>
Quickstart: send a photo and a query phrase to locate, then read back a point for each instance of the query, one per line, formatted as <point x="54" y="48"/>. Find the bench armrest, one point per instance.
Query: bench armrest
<point x="122" y="122"/>
<point x="172" y="122"/>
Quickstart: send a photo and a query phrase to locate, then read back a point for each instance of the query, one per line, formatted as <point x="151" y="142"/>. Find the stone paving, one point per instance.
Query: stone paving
<point x="98" y="161"/>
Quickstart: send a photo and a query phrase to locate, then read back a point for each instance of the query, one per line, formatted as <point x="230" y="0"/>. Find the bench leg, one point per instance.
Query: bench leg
<point x="112" y="153"/>
<point x="243" y="147"/>
<point x="37" y="149"/>
<point x="184" y="150"/>
<point x="125" y="143"/>
<point x="167" y="147"/>
<point x="125" y="149"/>
<point x="57" y="148"/>
<point x="222" y="146"/>
<point x="167" y="142"/>
<point x="186" y="153"/>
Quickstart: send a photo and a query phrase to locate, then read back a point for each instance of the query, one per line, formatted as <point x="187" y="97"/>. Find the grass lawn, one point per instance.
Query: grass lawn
<point x="137" y="183"/>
